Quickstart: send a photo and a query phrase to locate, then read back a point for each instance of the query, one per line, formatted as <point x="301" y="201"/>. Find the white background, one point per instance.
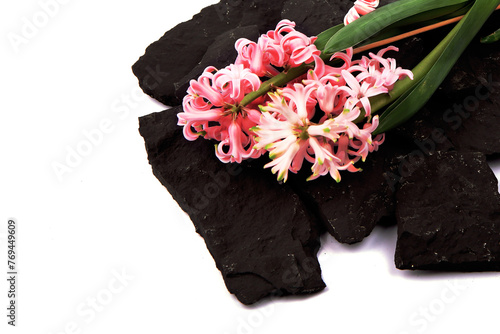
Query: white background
<point x="107" y="216"/>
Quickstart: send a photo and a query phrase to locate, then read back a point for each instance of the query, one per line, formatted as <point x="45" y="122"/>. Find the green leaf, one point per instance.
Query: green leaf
<point x="418" y="21"/>
<point x="492" y="38"/>
<point x="447" y="53"/>
<point x="372" y="23"/>
<point x="325" y="36"/>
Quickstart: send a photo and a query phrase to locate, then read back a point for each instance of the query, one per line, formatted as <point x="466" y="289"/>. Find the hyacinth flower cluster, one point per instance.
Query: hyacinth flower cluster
<point x="322" y="117"/>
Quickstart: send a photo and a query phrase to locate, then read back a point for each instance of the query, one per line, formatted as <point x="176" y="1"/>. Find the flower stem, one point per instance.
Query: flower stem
<point x="409" y="34"/>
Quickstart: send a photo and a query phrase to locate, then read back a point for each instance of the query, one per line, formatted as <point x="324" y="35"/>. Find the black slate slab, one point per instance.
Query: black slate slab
<point x="448" y="212"/>
<point x="351" y="209"/>
<point x="259" y="232"/>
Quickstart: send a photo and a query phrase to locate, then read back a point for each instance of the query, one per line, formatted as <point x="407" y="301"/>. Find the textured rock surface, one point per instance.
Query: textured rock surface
<point x="475" y="119"/>
<point x="259" y="232"/>
<point x="311" y="19"/>
<point x="467" y="105"/>
<point x="351" y="209"/>
<point x="463" y="118"/>
<point x="448" y="212"/>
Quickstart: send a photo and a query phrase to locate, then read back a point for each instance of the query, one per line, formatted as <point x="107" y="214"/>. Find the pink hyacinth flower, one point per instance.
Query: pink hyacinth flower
<point x="282" y="47"/>
<point x="236" y="81"/>
<point x="237" y="145"/>
<point x="281" y="130"/>
<point x="208" y="111"/>
<point x="364" y="143"/>
<point x="283" y="28"/>
<point x="315" y="118"/>
<point x="387" y="73"/>
<point x="300" y="48"/>
<point x="286" y="131"/>
<point x="253" y="56"/>
<point x="359" y="94"/>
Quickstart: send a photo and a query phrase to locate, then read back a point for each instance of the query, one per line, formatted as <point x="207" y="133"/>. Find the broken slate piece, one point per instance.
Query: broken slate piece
<point x="259" y="232"/>
<point x="448" y="213"/>
<point x="351" y="209"/>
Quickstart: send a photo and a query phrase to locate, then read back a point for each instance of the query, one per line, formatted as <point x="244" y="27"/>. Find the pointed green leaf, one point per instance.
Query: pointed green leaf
<point x="325" y="36"/>
<point x="372" y="23"/>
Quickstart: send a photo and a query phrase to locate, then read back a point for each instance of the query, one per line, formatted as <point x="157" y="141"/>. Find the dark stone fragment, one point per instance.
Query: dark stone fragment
<point x="448" y="212"/>
<point x="259" y="232"/>
<point x="317" y="15"/>
<point x="163" y="68"/>
<point x="352" y="208"/>
<point x="427" y="130"/>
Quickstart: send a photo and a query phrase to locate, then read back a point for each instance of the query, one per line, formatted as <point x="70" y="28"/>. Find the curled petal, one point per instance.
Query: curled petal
<point x="326" y="130"/>
<point x="299" y="47"/>
<point x="346" y="57"/>
<point x="208" y="92"/>
<point x="279" y="105"/>
<point x="364" y="7"/>
<point x="361" y="7"/>
<point x="328" y="98"/>
<point x="351" y="16"/>
<point x="233" y="148"/>
<point x="236" y="81"/>
<point x="381" y="52"/>
<point x="298" y="96"/>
